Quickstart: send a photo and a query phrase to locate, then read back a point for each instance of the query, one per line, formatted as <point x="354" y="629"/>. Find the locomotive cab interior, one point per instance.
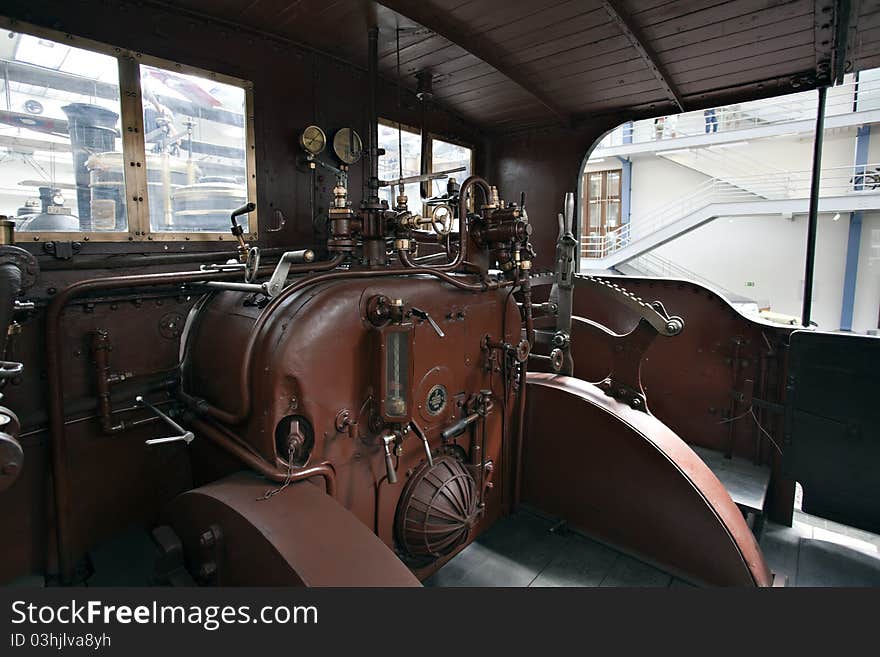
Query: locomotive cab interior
<point x="249" y="339"/>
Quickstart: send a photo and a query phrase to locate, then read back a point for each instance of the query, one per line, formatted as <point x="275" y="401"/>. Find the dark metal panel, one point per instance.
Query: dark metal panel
<point x="832" y="445"/>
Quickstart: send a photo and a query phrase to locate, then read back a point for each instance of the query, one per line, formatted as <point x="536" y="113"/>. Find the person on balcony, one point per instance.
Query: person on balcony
<point x="711" y="120"/>
<point x="658" y="127"/>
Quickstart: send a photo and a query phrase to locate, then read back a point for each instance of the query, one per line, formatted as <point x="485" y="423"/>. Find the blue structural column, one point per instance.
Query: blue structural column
<point x="863" y="140"/>
<point x="626" y="168"/>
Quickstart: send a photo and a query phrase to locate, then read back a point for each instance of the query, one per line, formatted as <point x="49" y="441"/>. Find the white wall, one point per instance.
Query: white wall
<point x="769" y="252"/>
<point x="763" y="257"/>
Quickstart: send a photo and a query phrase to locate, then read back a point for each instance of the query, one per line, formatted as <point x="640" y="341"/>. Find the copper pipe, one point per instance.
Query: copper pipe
<point x="233" y="418"/>
<point x="103" y="379"/>
<point x="461" y="257"/>
<point x="407" y="261"/>
<point x="238" y="450"/>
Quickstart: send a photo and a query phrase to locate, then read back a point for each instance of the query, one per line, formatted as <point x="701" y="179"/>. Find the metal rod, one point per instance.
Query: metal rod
<point x="373" y="128"/>
<point x="813" y="225"/>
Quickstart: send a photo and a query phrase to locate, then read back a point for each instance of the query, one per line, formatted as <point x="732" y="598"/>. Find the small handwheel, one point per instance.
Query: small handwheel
<point x="252" y="264"/>
<point x="441" y="219"/>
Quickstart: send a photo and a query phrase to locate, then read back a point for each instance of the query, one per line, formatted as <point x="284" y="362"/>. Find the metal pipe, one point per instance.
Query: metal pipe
<point x="220" y="438"/>
<point x="463" y="235"/>
<point x="813" y="225"/>
<point x="373" y="129"/>
<point x="10" y="285"/>
<point x="103" y="380"/>
<point x="526" y="287"/>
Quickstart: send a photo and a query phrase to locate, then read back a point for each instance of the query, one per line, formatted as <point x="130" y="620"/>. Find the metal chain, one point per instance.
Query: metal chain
<point x="654" y="313"/>
<point x="287" y="478"/>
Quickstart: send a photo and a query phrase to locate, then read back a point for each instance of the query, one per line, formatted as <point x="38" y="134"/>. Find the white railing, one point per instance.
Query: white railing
<point x="843" y="99"/>
<point x="651" y="264"/>
<point x="835" y="181"/>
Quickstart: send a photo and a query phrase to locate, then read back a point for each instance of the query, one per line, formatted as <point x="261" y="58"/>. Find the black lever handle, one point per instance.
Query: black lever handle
<point x="244" y="209"/>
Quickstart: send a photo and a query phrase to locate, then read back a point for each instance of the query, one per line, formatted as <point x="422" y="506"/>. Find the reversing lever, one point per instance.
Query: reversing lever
<point x="186" y="436"/>
<point x="423" y="314"/>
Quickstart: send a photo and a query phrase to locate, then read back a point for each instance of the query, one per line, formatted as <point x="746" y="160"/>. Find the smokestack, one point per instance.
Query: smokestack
<point x="92" y="130"/>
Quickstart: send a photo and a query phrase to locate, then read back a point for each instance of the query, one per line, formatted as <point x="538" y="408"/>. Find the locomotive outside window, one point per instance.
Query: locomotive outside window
<point x="401" y="159"/>
<point x="104" y="144"/>
<point x="60" y="119"/>
<point x="446" y="156"/>
<point x="442" y="156"/>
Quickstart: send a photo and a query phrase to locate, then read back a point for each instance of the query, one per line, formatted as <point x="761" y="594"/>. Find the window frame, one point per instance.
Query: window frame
<point x="131" y="121"/>
<point x="603" y="200"/>
<point x="389" y="123"/>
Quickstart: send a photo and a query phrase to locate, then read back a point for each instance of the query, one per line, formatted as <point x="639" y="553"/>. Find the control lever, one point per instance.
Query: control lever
<point x="417" y="430"/>
<point x="238" y="230"/>
<point x="456" y="429"/>
<point x="186" y="436"/>
<point x="388" y="439"/>
<point x="423" y="314"/>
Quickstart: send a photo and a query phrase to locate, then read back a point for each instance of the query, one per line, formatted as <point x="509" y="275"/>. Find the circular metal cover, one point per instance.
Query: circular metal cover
<point x="437" y="510"/>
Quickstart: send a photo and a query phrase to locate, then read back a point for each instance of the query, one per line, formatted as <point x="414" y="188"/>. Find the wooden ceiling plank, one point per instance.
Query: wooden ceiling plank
<point x="596" y="75"/>
<point x="721" y="69"/>
<point x="673" y="10"/>
<point x="582" y="55"/>
<point x="640" y="44"/>
<point x="761" y="33"/>
<point x="596" y="38"/>
<point x="798" y="39"/>
<point x="666" y="36"/>
<point x="449" y="29"/>
<point x="772" y="72"/>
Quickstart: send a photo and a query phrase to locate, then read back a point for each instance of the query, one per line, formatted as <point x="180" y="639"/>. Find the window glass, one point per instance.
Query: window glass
<point x="446" y="156"/>
<point x="390" y="163"/>
<point x="195" y="135"/>
<point x="60" y="141"/>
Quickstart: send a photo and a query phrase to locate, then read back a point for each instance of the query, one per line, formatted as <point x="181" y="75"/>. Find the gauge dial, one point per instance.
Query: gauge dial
<point x="348" y="146"/>
<point x="313" y="140"/>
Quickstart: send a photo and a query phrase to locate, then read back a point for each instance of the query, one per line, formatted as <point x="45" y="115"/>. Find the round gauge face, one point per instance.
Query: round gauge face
<point x="348" y="146"/>
<point x="313" y="139"/>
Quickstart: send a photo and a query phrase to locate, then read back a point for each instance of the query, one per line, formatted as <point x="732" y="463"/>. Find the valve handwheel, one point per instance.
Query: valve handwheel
<point x="441" y="219"/>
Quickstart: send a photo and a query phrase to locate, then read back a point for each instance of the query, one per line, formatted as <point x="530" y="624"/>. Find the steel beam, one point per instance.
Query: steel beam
<point x="813" y="225"/>
<point x="638" y="40"/>
<point x="854" y="241"/>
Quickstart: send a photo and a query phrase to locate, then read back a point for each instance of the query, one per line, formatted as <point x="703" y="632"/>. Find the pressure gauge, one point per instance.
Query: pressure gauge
<point x="313" y="140"/>
<point x="348" y="146"/>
